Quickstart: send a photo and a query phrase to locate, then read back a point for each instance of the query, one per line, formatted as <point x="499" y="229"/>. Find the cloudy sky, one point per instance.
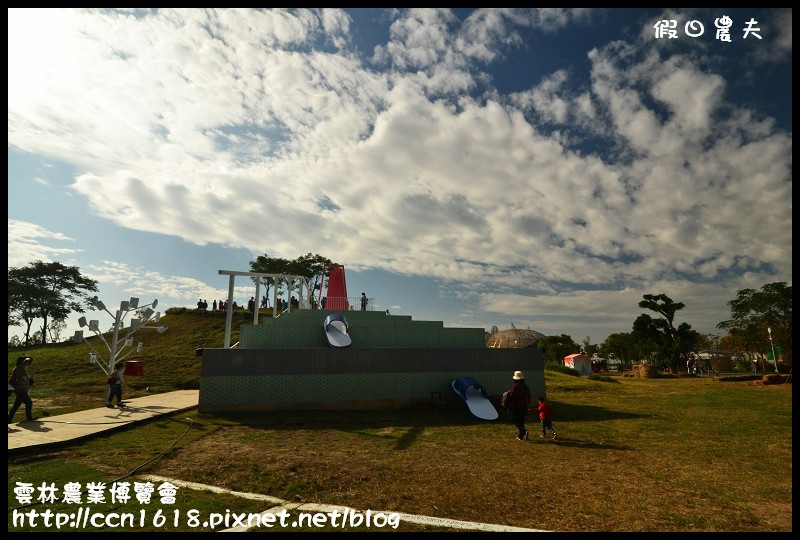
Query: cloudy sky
<point x="544" y="168"/>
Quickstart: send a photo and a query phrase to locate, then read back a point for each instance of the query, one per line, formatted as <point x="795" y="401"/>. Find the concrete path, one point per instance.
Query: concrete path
<point x="50" y="430"/>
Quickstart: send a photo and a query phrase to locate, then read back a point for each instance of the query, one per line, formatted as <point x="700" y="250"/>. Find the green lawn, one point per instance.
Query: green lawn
<point x="632" y="455"/>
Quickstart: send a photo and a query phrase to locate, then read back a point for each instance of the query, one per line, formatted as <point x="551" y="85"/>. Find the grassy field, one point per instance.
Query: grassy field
<point x="641" y="455"/>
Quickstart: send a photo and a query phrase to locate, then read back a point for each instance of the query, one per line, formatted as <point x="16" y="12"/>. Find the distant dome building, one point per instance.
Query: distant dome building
<point x="513" y="338"/>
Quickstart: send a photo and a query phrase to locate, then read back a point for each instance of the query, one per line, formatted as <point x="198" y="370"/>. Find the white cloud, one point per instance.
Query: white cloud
<point x="230" y="126"/>
<point x="29" y="242"/>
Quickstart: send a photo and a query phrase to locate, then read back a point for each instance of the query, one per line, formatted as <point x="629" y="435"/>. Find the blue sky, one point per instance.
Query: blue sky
<point x="541" y="167"/>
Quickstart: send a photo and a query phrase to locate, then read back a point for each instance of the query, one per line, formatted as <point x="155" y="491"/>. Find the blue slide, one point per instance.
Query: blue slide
<point x="336" y="331"/>
<point x="475" y="397"/>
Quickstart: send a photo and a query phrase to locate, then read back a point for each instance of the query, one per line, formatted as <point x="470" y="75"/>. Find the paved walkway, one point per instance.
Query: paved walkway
<point x="50" y="430"/>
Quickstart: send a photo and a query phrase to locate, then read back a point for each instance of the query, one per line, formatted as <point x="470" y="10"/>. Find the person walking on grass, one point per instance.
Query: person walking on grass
<point x="21" y="380"/>
<point x="545" y="417"/>
<point x="520" y="398"/>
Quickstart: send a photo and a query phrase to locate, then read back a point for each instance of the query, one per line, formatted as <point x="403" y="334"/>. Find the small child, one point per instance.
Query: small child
<point x="545" y="417"/>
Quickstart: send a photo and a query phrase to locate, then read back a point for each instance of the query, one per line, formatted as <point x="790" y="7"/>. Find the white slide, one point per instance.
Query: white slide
<point x="475" y="397"/>
<point x="336" y="331"/>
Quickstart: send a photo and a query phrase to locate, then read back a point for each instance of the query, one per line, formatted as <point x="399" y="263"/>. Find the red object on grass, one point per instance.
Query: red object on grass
<point x="134" y="367"/>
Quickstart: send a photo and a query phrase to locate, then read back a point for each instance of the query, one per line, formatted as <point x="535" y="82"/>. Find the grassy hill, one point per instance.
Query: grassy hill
<point x="66" y="382"/>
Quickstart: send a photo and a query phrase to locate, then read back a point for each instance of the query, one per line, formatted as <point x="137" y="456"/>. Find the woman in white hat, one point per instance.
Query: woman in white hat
<point x="520" y="397"/>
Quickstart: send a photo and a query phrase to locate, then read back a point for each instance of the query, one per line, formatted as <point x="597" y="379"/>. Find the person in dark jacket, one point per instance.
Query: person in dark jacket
<point x="22" y="383"/>
<point x="115" y="381"/>
<point x="520" y="396"/>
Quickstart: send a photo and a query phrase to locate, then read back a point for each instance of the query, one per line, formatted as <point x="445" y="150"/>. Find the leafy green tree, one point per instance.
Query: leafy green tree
<point x="709" y="341"/>
<point x="588" y="347"/>
<point x="265" y="264"/>
<point x="753" y="311"/>
<point x="56" y="327"/>
<point x="664" y="306"/>
<point x="21" y="304"/>
<point x="309" y="266"/>
<point x="666" y="344"/>
<point x="651" y="339"/>
<point x="688" y="341"/>
<point x="742" y="355"/>
<point x="621" y="347"/>
<point x="555" y="348"/>
<point x="47" y="291"/>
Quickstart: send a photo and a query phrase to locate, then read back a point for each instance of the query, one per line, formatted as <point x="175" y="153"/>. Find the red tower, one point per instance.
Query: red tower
<point x="336" y="297"/>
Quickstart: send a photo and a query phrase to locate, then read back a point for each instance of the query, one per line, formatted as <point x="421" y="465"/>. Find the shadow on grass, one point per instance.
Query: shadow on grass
<point x="351" y="420"/>
<point x="577" y="443"/>
<point x="591" y="413"/>
<point x="413" y="420"/>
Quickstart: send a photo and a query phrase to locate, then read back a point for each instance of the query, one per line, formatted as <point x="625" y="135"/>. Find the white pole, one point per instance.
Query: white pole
<point x="229" y="312"/>
<point x="772" y="345"/>
<point x="114" y="339"/>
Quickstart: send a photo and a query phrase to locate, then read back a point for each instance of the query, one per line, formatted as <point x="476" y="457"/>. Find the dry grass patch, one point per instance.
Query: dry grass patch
<point x="664" y="454"/>
<point x="660" y="455"/>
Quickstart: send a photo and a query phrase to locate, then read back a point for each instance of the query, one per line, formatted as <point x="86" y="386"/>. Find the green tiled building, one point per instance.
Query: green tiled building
<point x="394" y="361"/>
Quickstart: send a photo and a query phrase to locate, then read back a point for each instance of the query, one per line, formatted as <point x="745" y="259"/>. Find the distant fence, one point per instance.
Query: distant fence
<point x="345" y="303"/>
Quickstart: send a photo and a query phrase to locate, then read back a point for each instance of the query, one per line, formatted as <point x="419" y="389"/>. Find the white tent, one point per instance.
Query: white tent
<point x="579" y="362"/>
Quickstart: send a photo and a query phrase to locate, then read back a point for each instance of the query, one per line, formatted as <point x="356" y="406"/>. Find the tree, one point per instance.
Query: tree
<point x="265" y="264"/>
<point x="620" y="346"/>
<point x="667" y="344"/>
<point x="752" y="312"/>
<point x="56" y="327"/>
<point x="664" y="306"/>
<point x="555" y="348"/>
<point x="651" y="339"/>
<point x="735" y="343"/>
<point x="46" y="291"/>
<point x="688" y="341"/>
<point x="587" y="348"/>
<point x="21" y="306"/>
<point x="709" y="341"/>
<point x="309" y="266"/>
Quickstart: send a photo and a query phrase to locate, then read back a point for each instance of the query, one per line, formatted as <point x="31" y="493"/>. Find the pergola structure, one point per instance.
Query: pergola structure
<point x="289" y="278"/>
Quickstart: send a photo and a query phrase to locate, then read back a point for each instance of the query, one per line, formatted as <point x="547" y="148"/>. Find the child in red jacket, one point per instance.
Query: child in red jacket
<point x="545" y="417"/>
